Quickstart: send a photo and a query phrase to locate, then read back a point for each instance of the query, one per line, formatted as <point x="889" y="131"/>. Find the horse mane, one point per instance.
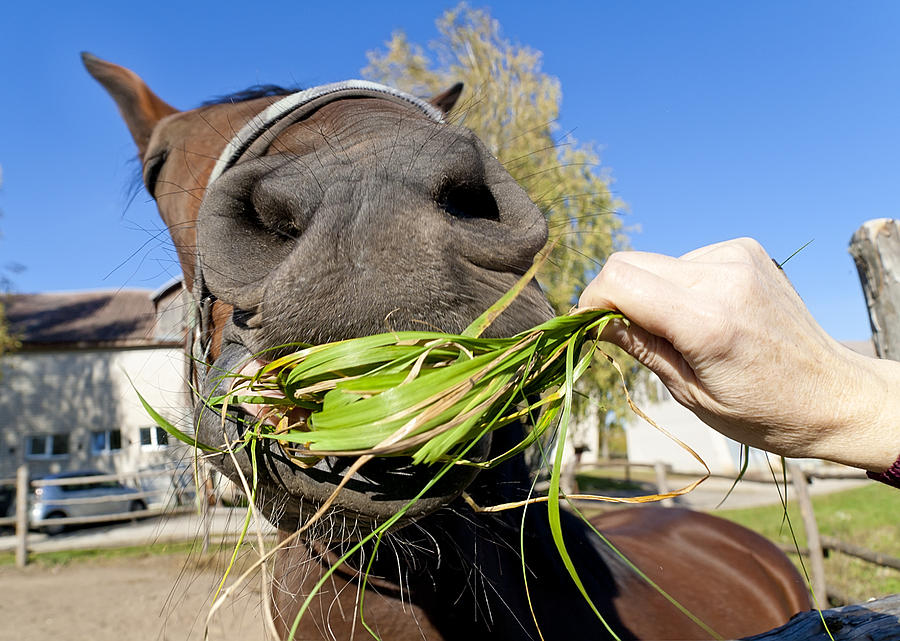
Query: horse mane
<point x="250" y="93"/>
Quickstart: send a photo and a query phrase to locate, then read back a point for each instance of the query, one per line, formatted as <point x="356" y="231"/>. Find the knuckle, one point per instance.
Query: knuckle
<point x="613" y="266"/>
<point x="604" y="286"/>
<point x="750" y="249"/>
<point x="739" y="250"/>
<point x="616" y="260"/>
<point x="742" y="278"/>
<point x="615" y="271"/>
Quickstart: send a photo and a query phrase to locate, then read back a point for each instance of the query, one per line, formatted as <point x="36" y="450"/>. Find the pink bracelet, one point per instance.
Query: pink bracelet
<point x="890" y="476"/>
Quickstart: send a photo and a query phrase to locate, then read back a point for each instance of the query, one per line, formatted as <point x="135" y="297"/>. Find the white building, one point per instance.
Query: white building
<point x="67" y="397"/>
<point x="646" y="444"/>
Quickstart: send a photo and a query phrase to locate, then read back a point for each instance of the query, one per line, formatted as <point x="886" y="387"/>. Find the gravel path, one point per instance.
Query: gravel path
<point x="153" y="598"/>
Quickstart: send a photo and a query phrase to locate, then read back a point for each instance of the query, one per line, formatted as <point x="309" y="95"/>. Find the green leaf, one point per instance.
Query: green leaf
<point x="169" y="428"/>
<point x="553" y="493"/>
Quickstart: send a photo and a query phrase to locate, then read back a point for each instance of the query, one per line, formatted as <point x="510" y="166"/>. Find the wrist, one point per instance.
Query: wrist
<point x="890" y="476"/>
<point x="864" y="431"/>
<point x="885" y="429"/>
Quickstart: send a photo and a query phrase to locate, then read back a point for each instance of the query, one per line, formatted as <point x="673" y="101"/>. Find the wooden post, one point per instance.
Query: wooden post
<point x="22" y="516"/>
<point x="662" y="483"/>
<point x="875" y="248"/>
<point x="203" y="495"/>
<point x="871" y="620"/>
<point x="813" y="542"/>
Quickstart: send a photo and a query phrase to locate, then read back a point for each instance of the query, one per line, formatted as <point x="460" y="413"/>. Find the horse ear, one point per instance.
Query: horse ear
<point x="140" y="107"/>
<point x="446" y="100"/>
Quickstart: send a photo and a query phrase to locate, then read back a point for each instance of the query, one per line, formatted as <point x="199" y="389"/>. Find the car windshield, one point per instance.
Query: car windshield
<point x="76" y="487"/>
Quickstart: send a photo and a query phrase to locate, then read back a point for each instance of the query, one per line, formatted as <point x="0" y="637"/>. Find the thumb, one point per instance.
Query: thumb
<point x="652" y="351"/>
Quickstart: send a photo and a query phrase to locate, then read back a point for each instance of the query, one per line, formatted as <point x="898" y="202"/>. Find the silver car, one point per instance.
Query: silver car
<point x="82" y="499"/>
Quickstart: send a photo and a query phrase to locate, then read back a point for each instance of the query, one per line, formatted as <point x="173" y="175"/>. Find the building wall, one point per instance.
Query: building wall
<point x="171" y="311"/>
<point x="646" y="444"/>
<point x="77" y="392"/>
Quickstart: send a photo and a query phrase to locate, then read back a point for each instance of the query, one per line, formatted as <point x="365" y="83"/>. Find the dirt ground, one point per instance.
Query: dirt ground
<point x="158" y="598"/>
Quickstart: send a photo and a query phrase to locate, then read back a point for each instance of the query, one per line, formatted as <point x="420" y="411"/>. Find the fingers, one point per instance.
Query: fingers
<point x="655" y="353"/>
<point x="630" y="283"/>
<point x="737" y="249"/>
<point x="668" y="296"/>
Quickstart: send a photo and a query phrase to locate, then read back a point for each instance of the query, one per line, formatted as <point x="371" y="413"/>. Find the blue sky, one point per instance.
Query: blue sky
<point x="768" y="119"/>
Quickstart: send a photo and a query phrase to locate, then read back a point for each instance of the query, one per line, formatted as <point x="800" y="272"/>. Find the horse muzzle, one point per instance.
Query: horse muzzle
<point x="289" y="495"/>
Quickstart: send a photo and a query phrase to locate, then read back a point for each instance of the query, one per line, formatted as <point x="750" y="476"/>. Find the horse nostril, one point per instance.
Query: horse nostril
<point x="468" y="201"/>
<point x="242" y="318"/>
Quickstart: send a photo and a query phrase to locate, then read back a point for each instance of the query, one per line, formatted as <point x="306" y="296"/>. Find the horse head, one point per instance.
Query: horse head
<point x="337" y="212"/>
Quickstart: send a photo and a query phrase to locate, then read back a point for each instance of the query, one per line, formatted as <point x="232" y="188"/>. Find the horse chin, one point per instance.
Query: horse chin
<point x="289" y="495"/>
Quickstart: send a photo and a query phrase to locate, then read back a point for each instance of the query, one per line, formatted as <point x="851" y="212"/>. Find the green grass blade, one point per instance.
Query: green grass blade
<point x="169" y="428"/>
<point x="745" y="462"/>
<point x="477" y="327"/>
<point x="244" y="528"/>
<point x="697" y="621"/>
<point x="384" y="527"/>
<point x="553" y="502"/>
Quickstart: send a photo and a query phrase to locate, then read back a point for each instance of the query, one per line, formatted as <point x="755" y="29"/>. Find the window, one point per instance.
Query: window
<point x="44" y="446"/>
<point x="106" y="441"/>
<point x="154" y="437"/>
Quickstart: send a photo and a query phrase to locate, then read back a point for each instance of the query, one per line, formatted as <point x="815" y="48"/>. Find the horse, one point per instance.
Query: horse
<point x="342" y="211"/>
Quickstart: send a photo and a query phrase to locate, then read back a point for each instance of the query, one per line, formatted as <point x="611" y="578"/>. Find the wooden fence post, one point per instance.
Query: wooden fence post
<point x="203" y="497"/>
<point x="813" y="542"/>
<point x="22" y="516"/>
<point x="871" y="620"/>
<point x="875" y="248"/>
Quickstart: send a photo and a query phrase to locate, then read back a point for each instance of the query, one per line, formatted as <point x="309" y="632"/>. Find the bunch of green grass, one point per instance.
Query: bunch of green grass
<point x="420" y="394"/>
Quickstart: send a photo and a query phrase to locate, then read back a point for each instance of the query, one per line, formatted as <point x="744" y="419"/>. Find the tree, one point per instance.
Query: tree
<point x="7" y="341"/>
<point x="513" y="106"/>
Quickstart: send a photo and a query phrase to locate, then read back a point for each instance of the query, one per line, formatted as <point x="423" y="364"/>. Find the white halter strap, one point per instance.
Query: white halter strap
<point x="259" y="123"/>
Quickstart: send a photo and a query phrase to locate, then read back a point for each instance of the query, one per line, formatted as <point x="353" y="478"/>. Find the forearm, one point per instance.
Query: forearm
<point x="866" y="430"/>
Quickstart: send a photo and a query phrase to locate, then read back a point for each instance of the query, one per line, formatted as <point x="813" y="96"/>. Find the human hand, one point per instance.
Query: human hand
<point x="726" y="332"/>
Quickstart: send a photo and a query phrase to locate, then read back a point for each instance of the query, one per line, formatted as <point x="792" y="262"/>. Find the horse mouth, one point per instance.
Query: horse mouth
<point x="289" y="494"/>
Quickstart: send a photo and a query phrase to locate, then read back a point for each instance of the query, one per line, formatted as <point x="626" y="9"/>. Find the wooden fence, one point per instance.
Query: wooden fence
<point x="818" y="543"/>
<point x="156" y="492"/>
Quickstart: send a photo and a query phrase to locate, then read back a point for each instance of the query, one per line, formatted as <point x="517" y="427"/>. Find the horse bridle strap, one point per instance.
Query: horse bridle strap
<point x="304" y="102"/>
<point x="259" y="131"/>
